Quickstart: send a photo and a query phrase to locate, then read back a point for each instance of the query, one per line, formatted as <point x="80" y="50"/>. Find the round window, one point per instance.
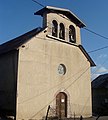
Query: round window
<point x="61" y="69"/>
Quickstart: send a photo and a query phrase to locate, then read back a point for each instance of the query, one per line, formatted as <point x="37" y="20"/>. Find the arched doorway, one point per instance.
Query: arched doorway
<point x="61" y="105"/>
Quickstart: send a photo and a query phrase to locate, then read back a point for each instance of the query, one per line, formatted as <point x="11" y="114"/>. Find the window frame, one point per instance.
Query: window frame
<point x="54" y="28"/>
<point x="61" y="31"/>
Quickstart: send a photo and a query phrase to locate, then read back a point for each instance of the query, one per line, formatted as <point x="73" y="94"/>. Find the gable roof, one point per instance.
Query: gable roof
<point x="65" y="12"/>
<point x="100" y="82"/>
<point x="17" y="42"/>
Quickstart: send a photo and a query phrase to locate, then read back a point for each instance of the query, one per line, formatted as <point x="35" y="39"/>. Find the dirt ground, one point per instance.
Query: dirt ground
<point x="100" y="118"/>
<point x="94" y="118"/>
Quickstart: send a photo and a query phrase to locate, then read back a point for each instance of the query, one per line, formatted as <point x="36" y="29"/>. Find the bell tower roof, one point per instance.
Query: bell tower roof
<point x="66" y="12"/>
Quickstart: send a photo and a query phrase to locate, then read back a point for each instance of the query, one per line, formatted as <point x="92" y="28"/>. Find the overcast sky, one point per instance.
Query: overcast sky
<point x="16" y="18"/>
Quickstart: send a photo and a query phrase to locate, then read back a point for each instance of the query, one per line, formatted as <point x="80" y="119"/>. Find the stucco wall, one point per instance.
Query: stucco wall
<point x="8" y="75"/>
<point x="39" y="81"/>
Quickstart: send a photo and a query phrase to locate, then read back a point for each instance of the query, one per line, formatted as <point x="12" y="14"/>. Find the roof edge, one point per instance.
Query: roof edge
<point x="87" y="56"/>
<point x="18" y="41"/>
<point x="41" y="11"/>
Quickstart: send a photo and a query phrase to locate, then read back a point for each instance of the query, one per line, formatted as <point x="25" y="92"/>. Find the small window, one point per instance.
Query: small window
<point x="72" y="34"/>
<point x="106" y="100"/>
<point x="62" y="31"/>
<point x="54" y="28"/>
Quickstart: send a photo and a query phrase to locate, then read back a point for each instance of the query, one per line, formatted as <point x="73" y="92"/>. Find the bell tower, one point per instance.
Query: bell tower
<point x="62" y="24"/>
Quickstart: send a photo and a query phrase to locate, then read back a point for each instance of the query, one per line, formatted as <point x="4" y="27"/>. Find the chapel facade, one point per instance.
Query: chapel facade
<point x="47" y="66"/>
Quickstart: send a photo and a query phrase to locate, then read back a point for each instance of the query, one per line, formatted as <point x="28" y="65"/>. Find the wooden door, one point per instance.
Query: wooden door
<point x="61" y="105"/>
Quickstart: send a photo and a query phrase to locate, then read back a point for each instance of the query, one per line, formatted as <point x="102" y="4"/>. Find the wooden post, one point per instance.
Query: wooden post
<point x="74" y="116"/>
<point x="47" y="112"/>
<point x="98" y="117"/>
